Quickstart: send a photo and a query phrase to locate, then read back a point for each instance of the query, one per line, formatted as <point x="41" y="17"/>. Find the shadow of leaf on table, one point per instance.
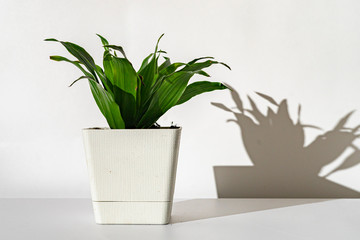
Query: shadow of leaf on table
<point x="283" y="167"/>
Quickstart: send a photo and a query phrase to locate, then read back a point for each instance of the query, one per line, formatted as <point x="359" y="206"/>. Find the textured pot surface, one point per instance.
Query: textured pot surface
<point x="132" y="173"/>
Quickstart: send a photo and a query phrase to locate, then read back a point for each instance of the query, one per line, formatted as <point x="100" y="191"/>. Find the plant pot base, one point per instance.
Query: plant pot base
<point x="132" y="212"/>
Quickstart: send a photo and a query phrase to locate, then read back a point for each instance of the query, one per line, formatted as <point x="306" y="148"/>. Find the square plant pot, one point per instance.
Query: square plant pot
<point x="132" y="174"/>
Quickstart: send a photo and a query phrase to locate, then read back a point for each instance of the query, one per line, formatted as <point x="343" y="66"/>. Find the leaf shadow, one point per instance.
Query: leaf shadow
<point x="283" y="166"/>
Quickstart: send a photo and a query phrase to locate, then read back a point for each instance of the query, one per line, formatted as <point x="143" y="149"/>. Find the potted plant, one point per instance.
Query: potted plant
<point x="132" y="165"/>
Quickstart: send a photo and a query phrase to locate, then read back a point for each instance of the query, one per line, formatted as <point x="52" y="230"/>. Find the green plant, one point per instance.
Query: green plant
<point x="137" y="99"/>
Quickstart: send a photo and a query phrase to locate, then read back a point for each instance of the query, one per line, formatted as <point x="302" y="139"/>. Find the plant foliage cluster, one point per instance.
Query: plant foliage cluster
<point x="137" y="99"/>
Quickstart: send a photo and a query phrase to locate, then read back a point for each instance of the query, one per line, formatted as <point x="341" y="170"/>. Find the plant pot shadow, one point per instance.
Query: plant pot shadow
<point x="252" y="182"/>
<point x="284" y="166"/>
<point x="201" y="209"/>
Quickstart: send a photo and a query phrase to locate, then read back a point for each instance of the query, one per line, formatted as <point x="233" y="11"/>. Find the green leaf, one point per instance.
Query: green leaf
<point x="107" y="106"/>
<point x="145" y="62"/>
<point x="103" y="41"/>
<point x="197" y="88"/>
<point x="80" y="53"/>
<point x="121" y="73"/>
<point x="82" y="77"/>
<point x="76" y="63"/>
<point x="170" y="69"/>
<point x="138" y="98"/>
<point x="157" y="44"/>
<point x="158" y="81"/>
<point x="165" y="64"/>
<point x="197" y="59"/>
<point x="201" y="65"/>
<point x="127" y="104"/>
<point x="200" y="72"/>
<point x="148" y="75"/>
<point x="165" y="97"/>
<point x="60" y="58"/>
<point x="51" y="40"/>
<point x="105" y="81"/>
<point x="119" y="48"/>
<point x="124" y="80"/>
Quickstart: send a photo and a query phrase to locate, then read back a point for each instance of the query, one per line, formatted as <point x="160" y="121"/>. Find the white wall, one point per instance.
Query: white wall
<point x="305" y="51"/>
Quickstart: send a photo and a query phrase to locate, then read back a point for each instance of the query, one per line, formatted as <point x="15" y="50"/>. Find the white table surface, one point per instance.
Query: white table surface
<point x="290" y="219"/>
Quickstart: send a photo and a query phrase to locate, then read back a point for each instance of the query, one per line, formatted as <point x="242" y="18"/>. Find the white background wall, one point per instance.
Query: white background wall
<point x="305" y="51"/>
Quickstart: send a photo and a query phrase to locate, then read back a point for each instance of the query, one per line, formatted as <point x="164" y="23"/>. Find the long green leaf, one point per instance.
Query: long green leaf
<point x="170" y="69"/>
<point x="107" y="106"/>
<point x="165" y="97"/>
<point x="197" y="88"/>
<point x="138" y="98"/>
<point x="124" y="80"/>
<point x="80" y="53"/>
<point x="148" y="76"/>
<point x="77" y="64"/>
<point x="165" y="64"/>
<point x="203" y="73"/>
<point x="103" y="41"/>
<point x="105" y="81"/>
<point x="145" y="62"/>
<point x="127" y="104"/>
<point x="119" y="48"/>
<point x="202" y="65"/>
<point x="82" y="77"/>
<point x="165" y="72"/>
<point x="149" y="73"/>
<point x="157" y="43"/>
<point x="197" y="59"/>
<point x="121" y="73"/>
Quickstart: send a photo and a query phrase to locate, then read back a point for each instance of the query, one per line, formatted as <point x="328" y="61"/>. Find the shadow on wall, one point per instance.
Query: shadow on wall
<point x="283" y="166"/>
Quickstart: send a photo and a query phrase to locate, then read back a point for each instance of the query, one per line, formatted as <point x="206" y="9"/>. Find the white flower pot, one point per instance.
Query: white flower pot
<point x="132" y="174"/>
